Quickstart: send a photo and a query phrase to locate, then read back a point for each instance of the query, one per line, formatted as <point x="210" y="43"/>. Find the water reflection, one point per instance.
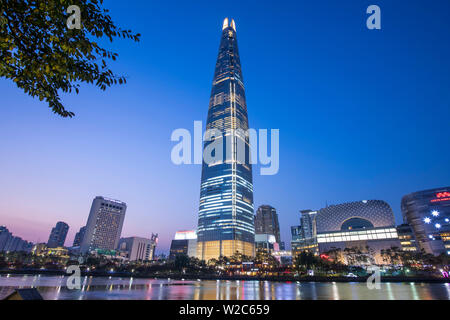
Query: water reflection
<point x="54" y="288"/>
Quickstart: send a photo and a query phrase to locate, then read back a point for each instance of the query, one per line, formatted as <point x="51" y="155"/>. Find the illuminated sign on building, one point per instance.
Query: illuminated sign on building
<point x="185" y="235"/>
<point x="441" y="196"/>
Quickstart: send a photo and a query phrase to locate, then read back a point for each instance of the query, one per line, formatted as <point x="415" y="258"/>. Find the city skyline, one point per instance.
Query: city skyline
<point x="380" y="138"/>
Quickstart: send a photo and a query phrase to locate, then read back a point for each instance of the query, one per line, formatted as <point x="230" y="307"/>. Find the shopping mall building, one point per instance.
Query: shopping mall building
<point x="428" y="214"/>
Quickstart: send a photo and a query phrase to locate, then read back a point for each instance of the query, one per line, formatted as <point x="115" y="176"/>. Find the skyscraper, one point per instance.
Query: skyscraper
<point x="266" y="222"/>
<point x="58" y="235"/>
<point x="104" y="225"/>
<point x="304" y="236"/>
<point x="225" y="223"/>
<point x="79" y="237"/>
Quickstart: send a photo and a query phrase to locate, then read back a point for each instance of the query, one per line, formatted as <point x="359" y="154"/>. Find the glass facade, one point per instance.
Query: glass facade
<point x="358" y="235"/>
<point x="304" y="236"/>
<point x="428" y="214"/>
<point x="225" y="222"/>
<point x="266" y="222"/>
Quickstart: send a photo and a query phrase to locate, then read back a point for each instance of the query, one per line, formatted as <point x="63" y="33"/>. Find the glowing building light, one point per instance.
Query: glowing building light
<point x="435" y="213"/>
<point x="427" y="220"/>
<point x="446" y="220"/>
<point x="225" y="24"/>
<point x="437" y="225"/>
<point x="233" y="25"/>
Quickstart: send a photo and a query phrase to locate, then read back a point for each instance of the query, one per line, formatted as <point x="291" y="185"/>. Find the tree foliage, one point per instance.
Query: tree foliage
<point x="44" y="57"/>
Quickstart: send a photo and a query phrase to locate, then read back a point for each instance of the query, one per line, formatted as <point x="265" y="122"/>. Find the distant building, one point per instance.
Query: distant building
<point x="304" y="236"/>
<point x="139" y="249"/>
<point x="5" y="237"/>
<point x="266" y="242"/>
<point x="284" y="257"/>
<point x="79" y="237"/>
<point x="104" y="225"/>
<point x="39" y="249"/>
<point x="185" y="242"/>
<point x="428" y="214"/>
<point x="58" y="235"/>
<point x="10" y="243"/>
<point x="266" y="222"/>
<point x="406" y="237"/>
<point x="360" y="224"/>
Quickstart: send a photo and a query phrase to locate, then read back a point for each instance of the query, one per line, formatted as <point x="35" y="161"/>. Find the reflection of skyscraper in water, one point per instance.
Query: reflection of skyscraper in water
<point x="225" y="223"/>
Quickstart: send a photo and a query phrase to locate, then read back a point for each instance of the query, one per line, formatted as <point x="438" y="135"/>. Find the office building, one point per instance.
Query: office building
<point x="304" y="236"/>
<point x="104" y="225"/>
<point x="225" y="220"/>
<point x="58" y="235"/>
<point x="184" y="243"/>
<point x="138" y="249"/>
<point x="266" y="222"/>
<point x="406" y="237"/>
<point x="266" y="242"/>
<point x="428" y="214"/>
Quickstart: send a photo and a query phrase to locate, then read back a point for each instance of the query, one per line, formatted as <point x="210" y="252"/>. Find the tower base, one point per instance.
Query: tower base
<point x="207" y="250"/>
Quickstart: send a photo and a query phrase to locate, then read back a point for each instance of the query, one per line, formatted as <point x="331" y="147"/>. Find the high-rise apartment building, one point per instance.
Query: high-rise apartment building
<point x="79" y="237"/>
<point x="225" y="222"/>
<point x="104" y="225"/>
<point x="10" y="243"/>
<point x="58" y="235"/>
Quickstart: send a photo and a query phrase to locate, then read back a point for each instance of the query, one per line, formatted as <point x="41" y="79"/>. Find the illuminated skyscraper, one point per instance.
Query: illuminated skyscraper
<point x="266" y="222"/>
<point x="225" y="223"/>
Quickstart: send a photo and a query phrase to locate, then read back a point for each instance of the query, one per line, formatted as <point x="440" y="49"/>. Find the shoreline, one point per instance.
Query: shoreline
<point x="414" y="279"/>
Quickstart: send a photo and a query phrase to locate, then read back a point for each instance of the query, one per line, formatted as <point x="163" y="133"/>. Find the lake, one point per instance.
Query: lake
<point x="100" y="288"/>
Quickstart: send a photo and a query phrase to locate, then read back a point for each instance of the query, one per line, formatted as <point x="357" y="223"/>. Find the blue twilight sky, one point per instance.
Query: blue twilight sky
<point x="363" y="114"/>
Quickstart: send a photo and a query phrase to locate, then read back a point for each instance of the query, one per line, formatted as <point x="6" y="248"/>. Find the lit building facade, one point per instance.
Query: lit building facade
<point x="266" y="222"/>
<point x="304" y="236"/>
<point x="428" y="214"/>
<point x="266" y="242"/>
<point x="58" y="235"/>
<point x="361" y="224"/>
<point x="138" y="249"/>
<point x="406" y="237"/>
<point x="104" y="225"/>
<point x="184" y="243"/>
<point x="226" y="221"/>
